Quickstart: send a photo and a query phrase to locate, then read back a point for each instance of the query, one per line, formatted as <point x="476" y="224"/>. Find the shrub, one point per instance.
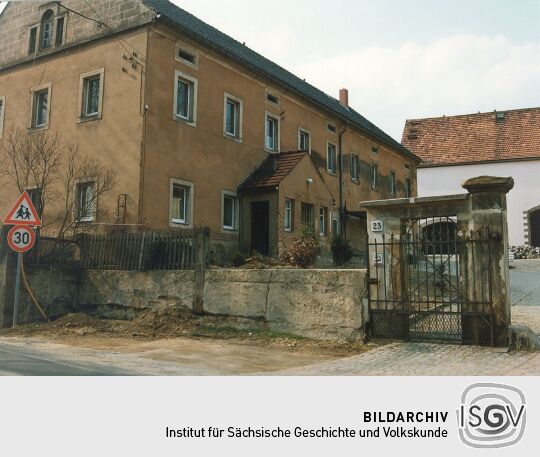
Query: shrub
<point x="341" y="250"/>
<point x="239" y="259"/>
<point x="301" y="252"/>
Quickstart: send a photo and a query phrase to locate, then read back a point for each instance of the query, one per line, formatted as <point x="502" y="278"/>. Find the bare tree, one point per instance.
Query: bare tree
<point x="43" y="161"/>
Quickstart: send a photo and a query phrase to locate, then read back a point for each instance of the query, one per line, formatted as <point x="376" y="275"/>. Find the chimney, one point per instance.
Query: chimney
<point x="344" y="97"/>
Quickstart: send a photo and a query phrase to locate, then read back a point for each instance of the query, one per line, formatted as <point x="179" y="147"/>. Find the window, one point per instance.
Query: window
<point x="46" y="34"/>
<point x="32" y="40"/>
<point x="355" y="168"/>
<point x="331" y="127"/>
<point x="187" y="56"/>
<point x="331" y="158"/>
<point x="229" y="210"/>
<point x="272" y="133"/>
<point x="335" y="223"/>
<point x="185" y="93"/>
<point x="374" y="176"/>
<point x="304" y="141"/>
<point x="85" y="204"/>
<point x="374" y="150"/>
<point x="91" y="96"/>
<point x="408" y="187"/>
<point x="272" y="98"/>
<point x="40" y="107"/>
<point x="59" y="37"/>
<point x="306" y="216"/>
<point x="2" y="111"/>
<point x="392" y="183"/>
<point x="289" y="215"/>
<point x="323" y="216"/>
<point x="233" y="117"/>
<point x="181" y="202"/>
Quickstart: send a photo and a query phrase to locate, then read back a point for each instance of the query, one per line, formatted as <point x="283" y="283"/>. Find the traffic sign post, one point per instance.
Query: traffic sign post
<point x="21" y="238"/>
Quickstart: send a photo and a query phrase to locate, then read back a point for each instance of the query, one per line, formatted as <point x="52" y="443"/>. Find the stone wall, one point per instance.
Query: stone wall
<point x="322" y="304"/>
<point x="138" y="290"/>
<point x="18" y="17"/>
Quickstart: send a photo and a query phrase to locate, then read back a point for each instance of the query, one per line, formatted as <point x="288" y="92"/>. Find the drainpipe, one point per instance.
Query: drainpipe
<point x="342" y="215"/>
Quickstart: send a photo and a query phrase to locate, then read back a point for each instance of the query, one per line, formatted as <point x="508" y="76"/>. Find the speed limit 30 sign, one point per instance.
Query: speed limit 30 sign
<point x="21" y="238"/>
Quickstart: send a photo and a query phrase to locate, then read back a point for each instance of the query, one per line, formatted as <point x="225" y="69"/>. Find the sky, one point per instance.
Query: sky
<point x="399" y="59"/>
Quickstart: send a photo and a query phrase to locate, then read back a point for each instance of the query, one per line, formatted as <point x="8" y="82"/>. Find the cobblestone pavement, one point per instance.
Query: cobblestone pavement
<point x="423" y="359"/>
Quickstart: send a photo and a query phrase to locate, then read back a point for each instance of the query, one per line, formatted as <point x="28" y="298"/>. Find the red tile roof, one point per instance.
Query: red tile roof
<point x="470" y="138"/>
<point x="273" y="170"/>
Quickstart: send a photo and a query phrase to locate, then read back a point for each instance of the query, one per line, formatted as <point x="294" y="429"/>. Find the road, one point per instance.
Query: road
<point x="525" y="282"/>
<point x="29" y="362"/>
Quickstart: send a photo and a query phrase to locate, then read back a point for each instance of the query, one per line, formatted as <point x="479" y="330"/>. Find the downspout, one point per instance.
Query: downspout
<point x="342" y="215"/>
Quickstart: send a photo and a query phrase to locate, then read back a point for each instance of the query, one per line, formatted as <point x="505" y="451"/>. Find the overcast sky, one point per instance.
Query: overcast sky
<point x="399" y="59"/>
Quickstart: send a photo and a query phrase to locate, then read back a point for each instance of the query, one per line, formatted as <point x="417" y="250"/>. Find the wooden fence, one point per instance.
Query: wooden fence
<point x="175" y="250"/>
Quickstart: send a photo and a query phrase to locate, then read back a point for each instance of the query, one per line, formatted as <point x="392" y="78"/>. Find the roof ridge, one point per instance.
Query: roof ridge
<point x="480" y="113"/>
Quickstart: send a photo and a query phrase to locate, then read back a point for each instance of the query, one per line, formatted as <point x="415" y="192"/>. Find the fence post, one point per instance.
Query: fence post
<point x="201" y="238"/>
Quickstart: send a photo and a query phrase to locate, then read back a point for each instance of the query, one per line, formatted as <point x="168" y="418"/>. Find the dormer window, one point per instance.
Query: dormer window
<point x="46" y="35"/>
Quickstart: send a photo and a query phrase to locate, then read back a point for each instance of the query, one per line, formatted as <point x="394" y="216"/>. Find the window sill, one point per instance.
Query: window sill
<point x="288" y="230"/>
<point x="84" y="119"/>
<point x="355" y="181"/>
<point x="38" y="129"/>
<point x="271" y="151"/>
<point x="232" y="137"/>
<point x="332" y="173"/>
<point x="230" y="230"/>
<point x="85" y="220"/>
<point x="181" y="120"/>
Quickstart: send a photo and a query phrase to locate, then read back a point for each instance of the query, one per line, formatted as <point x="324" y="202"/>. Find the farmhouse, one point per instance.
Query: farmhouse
<point x="200" y="129"/>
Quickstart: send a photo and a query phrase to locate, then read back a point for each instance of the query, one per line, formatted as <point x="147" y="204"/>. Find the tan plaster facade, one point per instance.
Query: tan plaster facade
<point x="140" y="136"/>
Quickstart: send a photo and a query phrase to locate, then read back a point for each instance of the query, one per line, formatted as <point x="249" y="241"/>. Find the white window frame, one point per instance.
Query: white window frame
<point x="60" y="16"/>
<point x="189" y="50"/>
<point x="328" y="169"/>
<point x="323" y="217"/>
<point x="392" y="183"/>
<point x="83" y="78"/>
<point x="33" y="113"/>
<point x="234" y="197"/>
<point x="331" y="127"/>
<point x="301" y="131"/>
<point x="375" y="150"/>
<point x="240" y="106"/>
<point x="288" y="213"/>
<point x="190" y="187"/>
<point x="36" y="41"/>
<point x="356" y="178"/>
<point x="408" y="187"/>
<point x="276" y="118"/>
<point x="334" y="218"/>
<point x="2" y="113"/>
<point x="372" y="176"/>
<point x="193" y="121"/>
<point x="77" y="208"/>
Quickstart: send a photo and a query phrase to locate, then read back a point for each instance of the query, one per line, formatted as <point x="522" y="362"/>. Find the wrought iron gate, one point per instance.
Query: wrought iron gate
<point x="431" y="282"/>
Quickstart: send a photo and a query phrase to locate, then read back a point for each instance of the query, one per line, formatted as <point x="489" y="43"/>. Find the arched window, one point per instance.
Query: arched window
<point x="46" y="33"/>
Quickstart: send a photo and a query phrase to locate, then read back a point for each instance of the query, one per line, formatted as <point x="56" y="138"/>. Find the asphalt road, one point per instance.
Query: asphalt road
<point x="28" y="362"/>
<point x="525" y="288"/>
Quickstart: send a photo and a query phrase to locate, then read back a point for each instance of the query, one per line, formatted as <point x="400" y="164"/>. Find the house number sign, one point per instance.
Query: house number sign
<point x="377" y="226"/>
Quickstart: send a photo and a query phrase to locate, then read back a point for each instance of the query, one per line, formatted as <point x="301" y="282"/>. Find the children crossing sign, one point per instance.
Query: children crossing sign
<point x="23" y="213"/>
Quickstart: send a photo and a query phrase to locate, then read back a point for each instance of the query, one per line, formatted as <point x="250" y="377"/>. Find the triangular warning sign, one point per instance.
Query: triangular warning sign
<point x="23" y="213"/>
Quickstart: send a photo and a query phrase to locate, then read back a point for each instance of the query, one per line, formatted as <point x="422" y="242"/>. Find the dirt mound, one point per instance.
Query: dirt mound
<point x="177" y="322"/>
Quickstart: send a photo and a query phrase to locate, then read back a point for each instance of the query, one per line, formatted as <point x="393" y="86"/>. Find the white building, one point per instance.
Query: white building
<point x="503" y="143"/>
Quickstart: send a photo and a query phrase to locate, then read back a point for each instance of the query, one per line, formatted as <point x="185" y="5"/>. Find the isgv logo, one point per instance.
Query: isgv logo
<point x="491" y="415"/>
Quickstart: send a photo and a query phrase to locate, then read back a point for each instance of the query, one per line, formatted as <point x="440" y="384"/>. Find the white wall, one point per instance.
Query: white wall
<point x="524" y="196"/>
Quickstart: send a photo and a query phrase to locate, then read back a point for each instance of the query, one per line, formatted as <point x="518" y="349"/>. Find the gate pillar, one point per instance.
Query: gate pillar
<point x="487" y="206"/>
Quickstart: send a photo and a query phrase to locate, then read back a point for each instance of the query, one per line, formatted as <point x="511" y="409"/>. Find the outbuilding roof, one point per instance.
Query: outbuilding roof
<point x="223" y="43"/>
<point x="475" y="138"/>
